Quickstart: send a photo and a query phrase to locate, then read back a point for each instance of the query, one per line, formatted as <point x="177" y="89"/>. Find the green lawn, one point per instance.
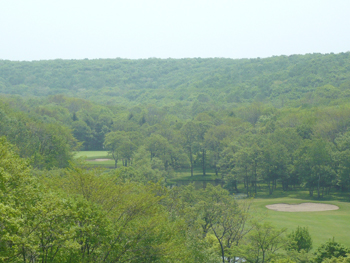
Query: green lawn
<point x="322" y="225"/>
<point x="90" y="156"/>
<point x="185" y="174"/>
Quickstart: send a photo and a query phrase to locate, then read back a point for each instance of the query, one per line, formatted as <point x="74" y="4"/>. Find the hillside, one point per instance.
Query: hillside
<point x="214" y="81"/>
<point x="157" y="136"/>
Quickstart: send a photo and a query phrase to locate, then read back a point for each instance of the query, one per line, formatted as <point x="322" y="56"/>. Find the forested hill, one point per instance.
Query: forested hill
<point x="162" y="81"/>
<point x="269" y="127"/>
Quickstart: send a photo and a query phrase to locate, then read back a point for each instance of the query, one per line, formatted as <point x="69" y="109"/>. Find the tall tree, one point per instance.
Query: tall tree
<point x="113" y="142"/>
<point x="190" y="134"/>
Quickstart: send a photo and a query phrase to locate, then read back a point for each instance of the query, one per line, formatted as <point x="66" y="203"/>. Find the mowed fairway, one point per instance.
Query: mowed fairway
<point x="322" y="225"/>
<point x="91" y="156"/>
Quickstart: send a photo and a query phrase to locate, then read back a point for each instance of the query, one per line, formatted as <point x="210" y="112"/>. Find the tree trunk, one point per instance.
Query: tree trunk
<point x="247" y="182"/>
<point x="191" y="161"/>
<point x="255" y="176"/>
<point x="318" y="186"/>
<point x="24" y="255"/>
<point x="311" y="191"/>
<point x="221" y="246"/>
<point x="203" y="161"/>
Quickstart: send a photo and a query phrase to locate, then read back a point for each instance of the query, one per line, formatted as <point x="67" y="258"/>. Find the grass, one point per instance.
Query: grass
<point x="196" y="177"/>
<point x="185" y="175"/>
<point x="90" y="156"/>
<point x="322" y="225"/>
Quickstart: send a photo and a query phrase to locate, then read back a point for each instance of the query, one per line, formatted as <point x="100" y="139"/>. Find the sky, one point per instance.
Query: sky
<point x="79" y="29"/>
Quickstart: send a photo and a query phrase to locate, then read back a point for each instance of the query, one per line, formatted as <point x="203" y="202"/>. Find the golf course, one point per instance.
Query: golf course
<point x="323" y="225"/>
<point x="96" y="158"/>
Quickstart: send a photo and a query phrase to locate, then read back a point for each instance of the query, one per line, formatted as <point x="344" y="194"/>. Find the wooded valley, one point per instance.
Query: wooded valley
<point x="256" y="128"/>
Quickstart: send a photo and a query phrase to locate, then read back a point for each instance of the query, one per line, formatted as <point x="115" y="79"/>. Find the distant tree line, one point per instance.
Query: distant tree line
<point x="214" y="81"/>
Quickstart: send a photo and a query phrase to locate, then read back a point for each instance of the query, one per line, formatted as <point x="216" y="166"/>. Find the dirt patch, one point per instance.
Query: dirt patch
<point x="99" y="160"/>
<point x="303" y="207"/>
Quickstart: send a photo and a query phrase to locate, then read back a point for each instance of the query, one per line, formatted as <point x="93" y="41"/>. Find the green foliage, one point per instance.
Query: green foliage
<point x="217" y="217"/>
<point x="284" y="260"/>
<point x="264" y="242"/>
<point x="46" y="145"/>
<point x="255" y="124"/>
<point x="330" y="249"/>
<point x="299" y="257"/>
<point x="300" y="239"/>
<point x="122" y="81"/>
<point x="337" y="259"/>
<point x="81" y="215"/>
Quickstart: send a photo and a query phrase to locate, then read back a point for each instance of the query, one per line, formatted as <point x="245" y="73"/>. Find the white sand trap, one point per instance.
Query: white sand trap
<point x="303" y="207"/>
<point x="100" y="160"/>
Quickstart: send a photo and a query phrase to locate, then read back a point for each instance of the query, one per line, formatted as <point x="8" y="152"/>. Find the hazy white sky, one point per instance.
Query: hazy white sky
<point x="77" y="29"/>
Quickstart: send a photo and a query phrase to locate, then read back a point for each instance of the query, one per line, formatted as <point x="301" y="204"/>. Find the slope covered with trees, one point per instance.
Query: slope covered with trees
<point x="164" y="81"/>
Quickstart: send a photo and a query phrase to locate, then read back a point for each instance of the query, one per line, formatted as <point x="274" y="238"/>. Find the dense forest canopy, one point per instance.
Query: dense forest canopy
<point x="251" y="124"/>
<point x="167" y="81"/>
<point x="184" y="113"/>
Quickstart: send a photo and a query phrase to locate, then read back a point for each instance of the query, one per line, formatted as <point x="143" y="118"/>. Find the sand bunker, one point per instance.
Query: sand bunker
<point x="303" y="207"/>
<point x="99" y="160"/>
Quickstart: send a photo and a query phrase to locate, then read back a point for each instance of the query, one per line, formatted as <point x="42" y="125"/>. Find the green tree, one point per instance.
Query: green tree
<point x="221" y="215"/>
<point x="330" y="249"/>
<point x="202" y="130"/>
<point x="159" y="147"/>
<point x="190" y="135"/>
<point x="313" y="164"/>
<point x="243" y="167"/>
<point x="82" y="132"/>
<point x="274" y="164"/>
<point x="300" y="239"/>
<point x="113" y="142"/>
<point x="263" y="243"/>
<point x="215" y="140"/>
<point x="338" y="259"/>
<point x="37" y="224"/>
